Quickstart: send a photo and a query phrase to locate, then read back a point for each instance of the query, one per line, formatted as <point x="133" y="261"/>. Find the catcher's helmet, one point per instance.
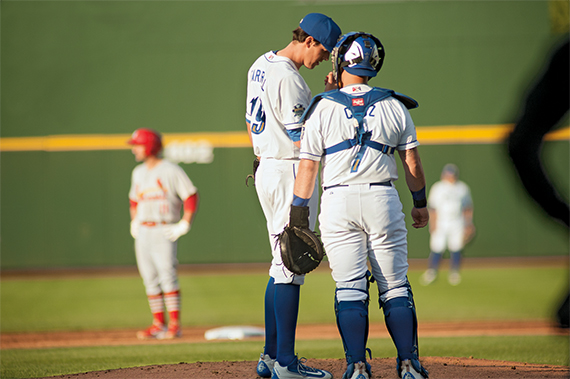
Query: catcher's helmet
<point x="151" y="140"/>
<point x="359" y="54"/>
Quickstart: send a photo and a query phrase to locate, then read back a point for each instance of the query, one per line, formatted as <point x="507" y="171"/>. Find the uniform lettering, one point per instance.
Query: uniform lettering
<point x="257" y="76"/>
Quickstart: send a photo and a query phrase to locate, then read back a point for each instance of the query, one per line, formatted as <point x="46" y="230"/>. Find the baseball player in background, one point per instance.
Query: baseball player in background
<point x="277" y="96"/>
<point x="451" y="223"/>
<point x="354" y="132"/>
<point x="160" y="190"/>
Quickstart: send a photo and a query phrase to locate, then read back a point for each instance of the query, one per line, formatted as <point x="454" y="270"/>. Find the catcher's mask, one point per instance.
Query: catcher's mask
<point x="151" y="140"/>
<point x="358" y="53"/>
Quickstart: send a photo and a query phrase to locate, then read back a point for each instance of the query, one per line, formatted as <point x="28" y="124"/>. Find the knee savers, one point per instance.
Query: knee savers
<point x="354" y="290"/>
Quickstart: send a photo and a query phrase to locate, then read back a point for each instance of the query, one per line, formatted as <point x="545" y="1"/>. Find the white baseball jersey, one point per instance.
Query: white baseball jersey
<point x="277" y="96"/>
<point x="160" y="192"/>
<point x="449" y="200"/>
<point x="390" y="123"/>
<point x="359" y="221"/>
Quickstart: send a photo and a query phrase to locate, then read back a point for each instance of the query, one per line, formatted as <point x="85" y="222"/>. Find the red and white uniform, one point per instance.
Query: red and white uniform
<point x="159" y="194"/>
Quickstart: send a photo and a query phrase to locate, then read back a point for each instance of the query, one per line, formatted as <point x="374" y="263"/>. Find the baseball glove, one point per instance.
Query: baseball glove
<point x="301" y="249"/>
<point x="255" y="166"/>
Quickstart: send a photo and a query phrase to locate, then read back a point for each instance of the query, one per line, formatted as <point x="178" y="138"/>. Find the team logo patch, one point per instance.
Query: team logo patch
<point x="298" y="110"/>
<point x="358" y="102"/>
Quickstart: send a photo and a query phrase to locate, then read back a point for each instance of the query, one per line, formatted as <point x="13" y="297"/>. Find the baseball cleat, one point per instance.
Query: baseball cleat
<point x="454" y="278"/>
<point x="412" y="369"/>
<point x="173" y="331"/>
<point x="265" y="366"/>
<point x="297" y="369"/>
<point x="428" y="277"/>
<point x="155" y="331"/>
<point x="359" y="370"/>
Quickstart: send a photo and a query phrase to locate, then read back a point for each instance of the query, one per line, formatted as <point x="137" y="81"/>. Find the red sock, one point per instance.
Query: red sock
<point x="157" y="308"/>
<point x="158" y="318"/>
<point x="172" y="302"/>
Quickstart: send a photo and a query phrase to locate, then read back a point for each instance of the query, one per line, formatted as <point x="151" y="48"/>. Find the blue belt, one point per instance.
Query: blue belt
<point x="387" y="183"/>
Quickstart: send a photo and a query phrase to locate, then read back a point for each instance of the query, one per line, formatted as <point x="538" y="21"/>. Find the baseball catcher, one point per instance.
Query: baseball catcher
<point x="301" y="249"/>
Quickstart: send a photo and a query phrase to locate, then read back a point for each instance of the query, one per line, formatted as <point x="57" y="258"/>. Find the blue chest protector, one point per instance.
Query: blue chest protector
<point x="359" y="106"/>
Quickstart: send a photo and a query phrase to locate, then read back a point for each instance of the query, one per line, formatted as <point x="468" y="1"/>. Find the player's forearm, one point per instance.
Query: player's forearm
<point x="415" y="177"/>
<point x="468" y="215"/>
<point x="305" y="181"/>
<point x="188" y="216"/>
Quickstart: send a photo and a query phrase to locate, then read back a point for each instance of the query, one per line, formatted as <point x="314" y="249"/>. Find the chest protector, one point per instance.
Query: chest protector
<point x="358" y="106"/>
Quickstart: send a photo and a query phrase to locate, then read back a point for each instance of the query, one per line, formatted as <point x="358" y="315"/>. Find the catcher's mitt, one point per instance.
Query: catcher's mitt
<point x="301" y="249"/>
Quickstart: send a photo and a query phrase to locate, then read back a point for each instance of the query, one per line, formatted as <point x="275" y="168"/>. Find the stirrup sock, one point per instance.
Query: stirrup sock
<point x="172" y="302"/>
<point x="286" y="312"/>
<point x="455" y="260"/>
<point x="156" y="304"/>
<point x="270" y="322"/>
<point x="434" y="260"/>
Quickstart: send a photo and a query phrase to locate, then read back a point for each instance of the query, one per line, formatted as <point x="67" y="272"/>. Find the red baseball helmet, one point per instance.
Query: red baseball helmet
<point x="151" y="139"/>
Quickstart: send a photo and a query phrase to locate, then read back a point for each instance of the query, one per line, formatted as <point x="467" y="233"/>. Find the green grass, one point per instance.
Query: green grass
<point x="119" y="302"/>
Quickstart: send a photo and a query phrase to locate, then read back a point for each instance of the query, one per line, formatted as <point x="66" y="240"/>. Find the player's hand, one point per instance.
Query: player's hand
<point x="420" y="217"/>
<point x="330" y="83"/>
<point x="135" y="228"/>
<point x="175" y="231"/>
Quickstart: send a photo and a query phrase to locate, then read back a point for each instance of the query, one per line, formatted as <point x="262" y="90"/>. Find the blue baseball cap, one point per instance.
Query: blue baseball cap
<point x="322" y="28"/>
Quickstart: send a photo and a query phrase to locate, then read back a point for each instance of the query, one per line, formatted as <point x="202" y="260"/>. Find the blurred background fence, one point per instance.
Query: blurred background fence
<point x="79" y="76"/>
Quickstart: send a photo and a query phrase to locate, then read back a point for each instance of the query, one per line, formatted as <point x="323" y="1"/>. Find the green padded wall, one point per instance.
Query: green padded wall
<point x="109" y="67"/>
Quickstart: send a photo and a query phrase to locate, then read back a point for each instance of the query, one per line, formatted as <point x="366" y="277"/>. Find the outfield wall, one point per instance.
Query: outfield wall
<point x="78" y="77"/>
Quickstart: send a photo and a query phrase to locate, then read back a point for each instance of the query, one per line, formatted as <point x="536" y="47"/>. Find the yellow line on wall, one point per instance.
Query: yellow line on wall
<point x="427" y="135"/>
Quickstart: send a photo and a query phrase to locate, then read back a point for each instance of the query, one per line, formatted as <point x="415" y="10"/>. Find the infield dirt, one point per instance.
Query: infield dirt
<point x="439" y="367"/>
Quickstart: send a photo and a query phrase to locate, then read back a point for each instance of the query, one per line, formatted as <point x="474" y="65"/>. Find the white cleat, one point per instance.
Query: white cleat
<point x="358" y="371"/>
<point x="297" y="369"/>
<point x="454" y="278"/>
<point x="408" y="371"/>
<point x="428" y="277"/>
<point x="265" y="366"/>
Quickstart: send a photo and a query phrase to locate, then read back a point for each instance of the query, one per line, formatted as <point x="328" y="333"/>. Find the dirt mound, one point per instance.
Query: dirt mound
<point x="439" y="367"/>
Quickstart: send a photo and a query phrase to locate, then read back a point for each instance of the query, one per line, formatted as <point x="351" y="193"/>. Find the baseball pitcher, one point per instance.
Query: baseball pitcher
<point x="277" y="96"/>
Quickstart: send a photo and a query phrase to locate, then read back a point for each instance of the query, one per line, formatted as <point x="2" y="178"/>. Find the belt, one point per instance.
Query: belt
<point x="153" y="223"/>
<point x="387" y="183"/>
